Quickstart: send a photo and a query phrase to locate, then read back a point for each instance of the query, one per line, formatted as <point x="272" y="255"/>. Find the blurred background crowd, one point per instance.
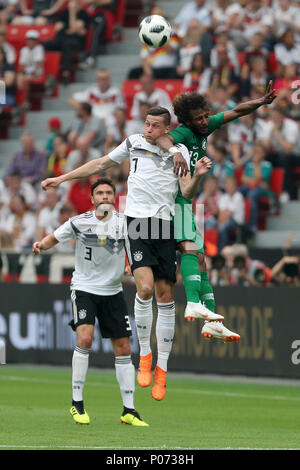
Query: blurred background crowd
<point x="226" y="50"/>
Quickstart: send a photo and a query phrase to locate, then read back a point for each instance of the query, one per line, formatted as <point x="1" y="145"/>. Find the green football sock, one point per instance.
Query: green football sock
<point x="191" y="276"/>
<point x="206" y="292"/>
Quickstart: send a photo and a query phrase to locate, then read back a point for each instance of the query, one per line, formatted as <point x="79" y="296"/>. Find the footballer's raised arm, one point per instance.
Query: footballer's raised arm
<point x="88" y="169"/>
<point x="166" y="143"/>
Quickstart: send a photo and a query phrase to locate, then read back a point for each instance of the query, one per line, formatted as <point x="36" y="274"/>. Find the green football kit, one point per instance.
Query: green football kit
<point x="196" y="282"/>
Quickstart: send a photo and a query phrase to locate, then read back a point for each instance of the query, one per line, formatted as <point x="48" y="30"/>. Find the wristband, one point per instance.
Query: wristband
<point x="173" y="150"/>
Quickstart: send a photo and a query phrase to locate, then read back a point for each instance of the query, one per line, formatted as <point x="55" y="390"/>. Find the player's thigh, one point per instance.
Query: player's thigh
<point x="121" y="346"/>
<point x="84" y="310"/>
<point x="144" y="281"/>
<point x="164" y="290"/>
<point x="184" y="224"/>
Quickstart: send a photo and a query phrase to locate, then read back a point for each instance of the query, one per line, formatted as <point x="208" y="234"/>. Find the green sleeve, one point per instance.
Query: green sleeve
<point x="180" y="135"/>
<point x="215" y="122"/>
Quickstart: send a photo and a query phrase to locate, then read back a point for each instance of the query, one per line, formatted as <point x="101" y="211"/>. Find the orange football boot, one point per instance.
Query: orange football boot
<point x="159" y="387"/>
<point x="144" y="377"/>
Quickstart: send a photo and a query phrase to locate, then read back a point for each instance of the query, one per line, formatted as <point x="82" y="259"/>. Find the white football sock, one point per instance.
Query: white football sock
<point x="165" y="329"/>
<point x="80" y="363"/>
<point x="125" y="374"/>
<point x="143" y="313"/>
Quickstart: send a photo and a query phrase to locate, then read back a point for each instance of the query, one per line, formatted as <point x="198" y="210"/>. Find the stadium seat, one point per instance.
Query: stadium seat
<point x="16" y="35"/>
<point x="211" y="238"/>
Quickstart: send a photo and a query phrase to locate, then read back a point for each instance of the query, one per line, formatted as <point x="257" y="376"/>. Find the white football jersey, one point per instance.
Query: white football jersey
<point x="99" y="253"/>
<point x="152" y="183"/>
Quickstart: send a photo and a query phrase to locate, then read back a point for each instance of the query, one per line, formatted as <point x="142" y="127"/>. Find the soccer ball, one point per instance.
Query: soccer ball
<point x="155" y="31"/>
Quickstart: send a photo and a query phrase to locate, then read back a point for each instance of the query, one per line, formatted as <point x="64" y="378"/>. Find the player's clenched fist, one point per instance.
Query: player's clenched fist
<point x="202" y="166"/>
<point x="50" y="183"/>
<point x="36" y="248"/>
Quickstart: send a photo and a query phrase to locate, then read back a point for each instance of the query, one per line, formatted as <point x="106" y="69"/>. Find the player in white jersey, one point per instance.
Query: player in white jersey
<point x="96" y="292"/>
<point x="150" y="242"/>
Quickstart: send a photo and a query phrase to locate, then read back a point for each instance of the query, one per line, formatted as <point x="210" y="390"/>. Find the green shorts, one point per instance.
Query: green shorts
<point x="185" y="225"/>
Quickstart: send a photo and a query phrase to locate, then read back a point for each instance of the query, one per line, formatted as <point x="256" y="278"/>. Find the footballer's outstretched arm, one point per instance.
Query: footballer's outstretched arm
<point x="88" y="169"/>
<point x="45" y="244"/>
<point x="248" y="107"/>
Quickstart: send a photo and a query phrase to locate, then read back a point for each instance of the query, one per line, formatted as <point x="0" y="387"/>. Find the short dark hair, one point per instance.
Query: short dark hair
<point x="103" y="180"/>
<point x="185" y="102"/>
<point x="87" y="107"/>
<point x="160" y="111"/>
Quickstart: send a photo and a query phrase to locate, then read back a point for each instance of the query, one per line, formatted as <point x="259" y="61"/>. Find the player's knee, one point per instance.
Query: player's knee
<point x="85" y="340"/>
<point x="122" y="347"/>
<point x="145" y="291"/>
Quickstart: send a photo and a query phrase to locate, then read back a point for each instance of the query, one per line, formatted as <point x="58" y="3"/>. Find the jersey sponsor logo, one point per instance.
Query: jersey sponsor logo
<point x="138" y="256"/>
<point x="82" y="313"/>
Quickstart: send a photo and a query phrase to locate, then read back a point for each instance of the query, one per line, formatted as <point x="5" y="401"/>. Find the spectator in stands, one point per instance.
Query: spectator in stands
<point x="160" y="62"/>
<point x="103" y="97"/>
<point x="222" y="39"/>
<point x="48" y="217"/>
<point x="283" y="141"/>
<point x="55" y="129"/>
<point x="96" y="11"/>
<point x="256" y="48"/>
<point x="87" y="130"/>
<point x="80" y="195"/>
<point x="188" y="47"/>
<point x="223" y="15"/>
<point x="9" y="50"/>
<point x="80" y="155"/>
<point x="243" y="134"/>
<point x="71" y="29"/>
<point x="255" y="16"/>
<point x="198" y="77"/>
<point x="209" y="198"/>
<point x="117" y="133"/>
<point x="29" y="162"/>
<point x="20" y="223"/>
<point x="224" y="73"/>
<point x="8" y="9"/>
<point x="199" y="9"/>
<point x="287" y="51"/>
<point x="32" y="56"/>
<point x="287" y="271"/>
<point x="58" y="159"/>
<point x="286" y="16"/>
<point x="136" y="125"/>
<point x="288" y="77"/>
<point x="255" y="181"/>
<point x="220" y="100"/>
<point x="8" y="76"/>
<point x="31" y="62"/>
<point x="40" y="12"/>
<point x="151" y="95"/>
<point x="254" y="74"/>
<point x="16" y="185"/>
<point x="222" y="166"/>
<point x="231" y="211"/>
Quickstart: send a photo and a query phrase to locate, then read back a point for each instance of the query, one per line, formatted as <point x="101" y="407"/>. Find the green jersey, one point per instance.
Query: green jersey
<point x="195" y="144"/>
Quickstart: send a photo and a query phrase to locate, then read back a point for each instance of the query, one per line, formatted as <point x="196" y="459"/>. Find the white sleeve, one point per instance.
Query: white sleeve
<point x="120" y="153"/>
<point x="64" y="233"/>
<point x="39" y="54"/>
<point x="23" y="56"/>
<point x="82" y="96"/>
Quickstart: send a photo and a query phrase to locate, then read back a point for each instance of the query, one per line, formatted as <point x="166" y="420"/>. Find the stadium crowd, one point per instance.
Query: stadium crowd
<point x="226" y="50"/>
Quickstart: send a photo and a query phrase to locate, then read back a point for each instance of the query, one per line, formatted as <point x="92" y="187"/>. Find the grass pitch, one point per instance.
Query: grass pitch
<point x="196" y="414"/>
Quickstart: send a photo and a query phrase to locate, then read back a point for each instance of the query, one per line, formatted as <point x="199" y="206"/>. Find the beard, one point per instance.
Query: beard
<point x="103" y="209"/>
